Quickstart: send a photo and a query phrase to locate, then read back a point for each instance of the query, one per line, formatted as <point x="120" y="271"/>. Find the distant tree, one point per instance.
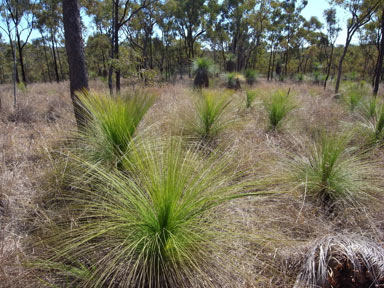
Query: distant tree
<point x="75" y="53"/>
<point x="122" y="15"/>
<point x="332" y="32"/>
<point x="20" y="13"/>
<point x="361" y="12"/>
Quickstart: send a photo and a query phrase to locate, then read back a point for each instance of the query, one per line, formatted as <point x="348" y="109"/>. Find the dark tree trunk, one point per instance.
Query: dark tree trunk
<point x="269" y="65"/>
<point x="21" y="59"/>
<point x="340" y="67"/>
<point x="116" y="43"/>
<point x="16" y="72"/>
<point x="76" y="59"/>
<point x="379" y="65"/>
<point x="46" y="59"/>
<point x="60" y="65"/>
<point x="54" y="58"/>
<point x="329" y="67"/>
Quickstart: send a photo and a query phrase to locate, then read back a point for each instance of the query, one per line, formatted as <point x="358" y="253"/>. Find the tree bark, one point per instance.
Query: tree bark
<point x="21" y="59"/>
<point x="340" y="67"/>
<point x="76" y="59"/>
<point x="329" y="67"/>
<point x="116" y="43"/>
<point x="54" y="58"/>
<point x="379" y="65"/>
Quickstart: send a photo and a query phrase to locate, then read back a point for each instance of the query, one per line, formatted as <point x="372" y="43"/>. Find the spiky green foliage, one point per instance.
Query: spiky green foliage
<point x="250" y="76"/>
<point x="158" y="227"/>
<point x="111" y="123"/>
<point x="332" y="172"/>
<point x="373" y="119"/>
<point x="353" y="97"/>
<point x="278" y="106"/>
<point x="250" y="97"/>
<point x="342" y="261"/>
<point x="369" y="108"/>
<point x="210" y="115"/>
<point x="234" y="80"/>
<point x="202" y="67"/>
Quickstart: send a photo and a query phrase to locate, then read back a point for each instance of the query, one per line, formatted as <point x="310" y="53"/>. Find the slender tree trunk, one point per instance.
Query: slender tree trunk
<point x="379" y="65"/>
<point x="269" y="65"/>
<point x="59" y="59"/>
<point x="15" y="72"/>
<point x="21" y="58"/>
<point x="116" y="44"/>
<point x="46" y="59"/>
<point x="329" y="66"/>
<point x="76" y="59"/>
<point x="340" y="67"/>
<point x="54" y="58"/>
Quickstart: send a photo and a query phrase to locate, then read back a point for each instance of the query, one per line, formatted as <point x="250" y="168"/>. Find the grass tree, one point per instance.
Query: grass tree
<point x="353" y="97"/>
<point x="250" y="97"/>
<point x="210" y="116"/>
<point x="158" y="227"/>
<point x="234" y="80"/>
<point x="112" y="122"/>
<point x="278" y="106"/>
<point x="202" y="67"/>
<point x="332" y="172"/>
<point x="373" y="119"/>
<point x="250" y="76"/>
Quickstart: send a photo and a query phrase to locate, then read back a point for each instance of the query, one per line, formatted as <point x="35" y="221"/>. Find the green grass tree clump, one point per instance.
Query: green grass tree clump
<point x="210" y="115"/>
<point x="332" y="172"/>
<point x="354" y="96"/>
<point x="373" y="119"/>
<point x="250" y="97"/>
<point x="250" y="76"/>
<point x="234" y="80"/>
<point x="202" y="67"/>
<point x="158" y="227"/>
<point x="278" y="106"/>
<point x="111" y="123"/>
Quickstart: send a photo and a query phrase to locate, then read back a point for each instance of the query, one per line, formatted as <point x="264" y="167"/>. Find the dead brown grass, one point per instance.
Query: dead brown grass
<point x="285" y="222"/>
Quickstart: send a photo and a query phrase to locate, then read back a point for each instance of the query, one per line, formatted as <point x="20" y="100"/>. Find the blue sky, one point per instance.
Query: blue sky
<point x="314" y="8"/>
<point x="317" y="7"/>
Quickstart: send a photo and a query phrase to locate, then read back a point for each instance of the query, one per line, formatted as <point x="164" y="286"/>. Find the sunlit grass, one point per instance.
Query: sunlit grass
<point x="250" y="97"/>
<point x="158" y="227"/>
<point x="112" y="123"/>
<point x="278" y="106"/>
<point x="332" y="172"/>
<point x="210" y="116"/>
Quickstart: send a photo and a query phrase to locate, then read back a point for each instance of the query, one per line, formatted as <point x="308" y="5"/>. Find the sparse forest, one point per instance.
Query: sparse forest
<point x="191" y="143"/>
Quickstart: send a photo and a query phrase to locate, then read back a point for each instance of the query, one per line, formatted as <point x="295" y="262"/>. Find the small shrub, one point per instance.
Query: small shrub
<point x="148" y="76"/>
<point x="300" y="77"/>
<point x="159" y="227"/>
<point x="202" y="67"/>
<point x="250" y="97"/>
<point x="112" y="123"/>
<point x="250" y="76"/>
<point x="22" y="87"/>
<point x="210" y="115"/>
<point x="278" y="106"/>
<point x="331" y="172"/>
<point x="22" y="114"/>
